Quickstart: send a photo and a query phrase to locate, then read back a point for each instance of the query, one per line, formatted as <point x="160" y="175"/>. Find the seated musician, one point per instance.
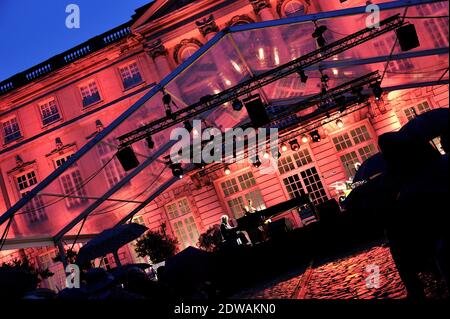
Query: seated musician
<point x="257" y="234"/>
<point x="248" y="209"/>
<point x="231" y="234"/>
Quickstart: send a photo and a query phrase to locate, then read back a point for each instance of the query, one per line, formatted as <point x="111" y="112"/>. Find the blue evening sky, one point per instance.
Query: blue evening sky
<point x="35" y="30"/>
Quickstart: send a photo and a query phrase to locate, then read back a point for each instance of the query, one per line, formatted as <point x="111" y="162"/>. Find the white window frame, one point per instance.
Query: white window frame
<point x="354" y="147"/>
<point x="113" y="172"/>
<point x="71" y="202"/>
<point x="299" y="169"/>
<point x="175" y="220"/>
<point x="36" y="216"/>
<point x="46" y="102"/>
<point x="241" y="193"/>
<point x="86" y="84"/>
<point x="415" y="106"/>
<point x="127" y="65"/>
<point x="7" y="119"/>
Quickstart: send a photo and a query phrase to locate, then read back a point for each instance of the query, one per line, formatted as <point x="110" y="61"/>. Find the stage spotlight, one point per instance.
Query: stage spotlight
<point x="256" y="111"/>
<point x="305" y="139"/>
<point x="227" y="170"/>
<point x="237" y="105"/>
<point x="188" y="126"/>
<point x="150" y="142"/>
<point x="201" y="165"/>
<point x="303" y="76"/>
<point x="294" y="145"/>
<point x="377" y="90"/>
<point x="341" y="103"/>
<point x="357" y="92"/>
<point x="284" y="147"/>
<point x="176" y="168"/>
<point x="257" y="163"/>
<point x="318" y="35"/>
<point x="339" y="123"/>
<point x="315" y="136"/>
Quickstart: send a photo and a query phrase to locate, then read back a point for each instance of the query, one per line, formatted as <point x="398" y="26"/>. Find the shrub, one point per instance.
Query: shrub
<point x="157" y="245"/>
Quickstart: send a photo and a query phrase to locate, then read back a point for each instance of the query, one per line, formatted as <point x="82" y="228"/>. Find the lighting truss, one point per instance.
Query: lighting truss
<point x="212" y="101"/>
<point x="291" y="129"/>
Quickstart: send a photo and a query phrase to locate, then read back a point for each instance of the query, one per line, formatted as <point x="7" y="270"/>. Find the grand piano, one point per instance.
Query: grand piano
<point x="252" y="221"/>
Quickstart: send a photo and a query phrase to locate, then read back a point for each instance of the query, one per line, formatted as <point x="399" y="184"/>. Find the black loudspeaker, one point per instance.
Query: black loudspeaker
<point x="407" y="37"/>
<point x="279" y="227"/>
<point x="127" y="158"/>
<point x="328" y="210"/>
<point x="256" y="111"/>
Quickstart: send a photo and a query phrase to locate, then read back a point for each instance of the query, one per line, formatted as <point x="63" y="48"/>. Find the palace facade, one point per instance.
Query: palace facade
<point x="49" y="112"/>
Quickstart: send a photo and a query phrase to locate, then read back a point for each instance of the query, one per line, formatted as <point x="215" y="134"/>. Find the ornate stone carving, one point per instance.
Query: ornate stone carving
<point x="258" y="5"/>
<point x="240" y="19"/>
<point x="207" y="26"/>
<point x="182" y="44"/>
<point x="21" y="166"/>
<point x="156" y="49"/>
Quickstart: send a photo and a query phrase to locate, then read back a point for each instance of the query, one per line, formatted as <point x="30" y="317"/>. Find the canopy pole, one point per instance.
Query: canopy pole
<point x="117" y="259"/>
<point x="62" y="254"/>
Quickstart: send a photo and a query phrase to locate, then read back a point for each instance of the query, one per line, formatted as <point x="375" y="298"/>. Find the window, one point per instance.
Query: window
<point x="49" y="112"/>
<point x="412" y="111"/>
<point x="229" y="187"/>
<point x="437" y="31"/>
<point x="183" y="222"/>
<point x="89" y="93"/>
<point x="306" y="182"/>
<point x="34" y="210"/>
<point x="358" y="146"/>
<point x="46" y="260"/>
<point x="346" y="140"/>
<point x="239" y="190"/>
<point x="114" y="172"/>
<point x="130" y="75"/>
<point x="342" y="142"/>
<point x="237" y="205"/>
<point x="246" y="180"/>
<point x="294" y="8"/>
<point x="11" y="130"/>
<point x="186" y="231"/>
<point x="360" y="134"/>
<point x="72" y="183"/>
<point x="300" y="158"/>
<point x="285" y="164"/>
<point x="383" y="48"/>
<point x="179" y="208"/>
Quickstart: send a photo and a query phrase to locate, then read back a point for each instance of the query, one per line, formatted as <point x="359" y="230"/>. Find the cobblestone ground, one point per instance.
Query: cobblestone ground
<point x="344" y="278"/>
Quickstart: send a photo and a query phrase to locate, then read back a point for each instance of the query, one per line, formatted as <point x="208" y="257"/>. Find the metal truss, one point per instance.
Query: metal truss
<point x="261" y="80"/>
